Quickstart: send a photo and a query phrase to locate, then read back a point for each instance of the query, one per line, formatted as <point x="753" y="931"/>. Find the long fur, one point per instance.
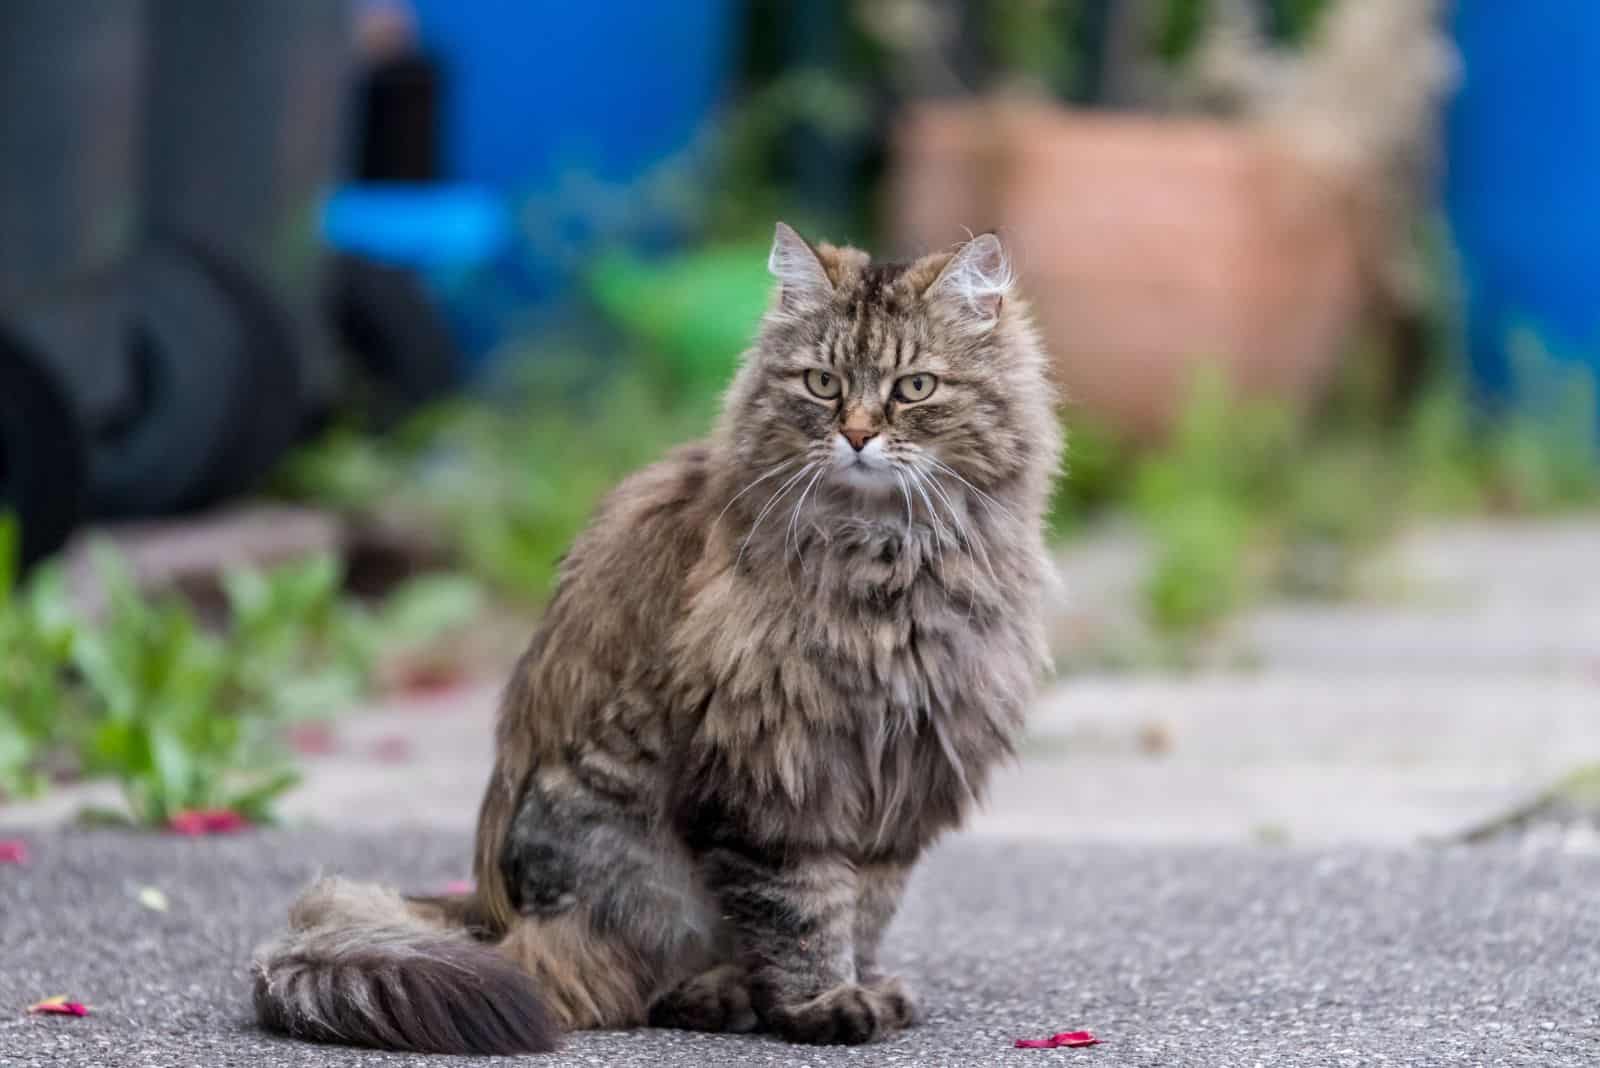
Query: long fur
<point x="358" y="967"/>
<point x="765" y="684"/>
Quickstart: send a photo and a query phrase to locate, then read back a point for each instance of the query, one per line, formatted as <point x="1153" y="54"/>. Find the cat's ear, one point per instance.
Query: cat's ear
<point x="975" y="283"/>
<point x="802" y="279"/>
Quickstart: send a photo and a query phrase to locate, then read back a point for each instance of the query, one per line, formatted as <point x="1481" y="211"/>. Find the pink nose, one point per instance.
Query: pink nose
<point x="858" y="438"/>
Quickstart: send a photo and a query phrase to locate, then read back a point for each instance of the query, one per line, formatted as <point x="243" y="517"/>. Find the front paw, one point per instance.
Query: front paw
<point x="715" y="1000"/>
<point x="846" y="1015"/>
<point x="902" y="1003"/>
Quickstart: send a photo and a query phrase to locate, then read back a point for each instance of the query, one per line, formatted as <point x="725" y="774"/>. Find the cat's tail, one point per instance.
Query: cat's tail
<point x="362" y="967"/>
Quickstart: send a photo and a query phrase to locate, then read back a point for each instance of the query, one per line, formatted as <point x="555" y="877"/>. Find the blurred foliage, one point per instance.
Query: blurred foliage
<point x="1180" y="24"/>
<point x="508" y="483"/>
<point x="37" y="634"/>
<point x="693" y="313"/>
<point x="1038" y="43"/>
<point x="1246" y="496"/>
<point x="182" y="716"/>
<point x="826" y="110"/>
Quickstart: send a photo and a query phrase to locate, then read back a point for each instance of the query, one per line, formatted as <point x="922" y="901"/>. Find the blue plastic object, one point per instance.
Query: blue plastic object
<point x="536" y="88"/>
<point x="428" y="228"/>
<point x="538" y="93"/>
<point x="1523" y="185"/>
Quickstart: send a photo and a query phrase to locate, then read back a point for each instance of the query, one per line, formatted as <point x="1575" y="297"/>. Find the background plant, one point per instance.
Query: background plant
<point x="182" y="715"/>
<point x="37" y="640"/>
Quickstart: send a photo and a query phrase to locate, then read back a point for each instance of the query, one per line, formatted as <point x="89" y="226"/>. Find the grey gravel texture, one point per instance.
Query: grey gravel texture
<point x="1173" y="956"/>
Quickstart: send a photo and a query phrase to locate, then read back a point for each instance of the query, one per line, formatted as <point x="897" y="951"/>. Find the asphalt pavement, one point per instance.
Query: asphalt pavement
<point x="1226" y="956"/>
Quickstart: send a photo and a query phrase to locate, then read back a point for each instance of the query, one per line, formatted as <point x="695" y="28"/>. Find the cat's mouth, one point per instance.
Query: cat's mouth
<point x="867" y="469"/>
<point x="860" y="473"/>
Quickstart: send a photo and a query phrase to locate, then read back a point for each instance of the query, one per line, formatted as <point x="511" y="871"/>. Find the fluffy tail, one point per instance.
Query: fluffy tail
<point x="359" y="967"/>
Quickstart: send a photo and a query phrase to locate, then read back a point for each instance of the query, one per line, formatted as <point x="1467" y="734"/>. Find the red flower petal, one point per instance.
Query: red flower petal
<point x="207" y="821"/>
<point x="59" y="1006"/>
<point x="1071" y="1039"/>
<point x="13" y="851"/>
<point x="1063" y="1040"/>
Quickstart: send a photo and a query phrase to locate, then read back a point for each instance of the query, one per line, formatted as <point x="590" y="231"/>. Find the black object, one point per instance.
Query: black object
<point x="181" y="371"/>
<point x="400" y="344"/>
<point x="43" y="466"/>
<point x="268" y="407"/>
<point x="168" y="310"/>
<point x="70" y="115"/>
<point x="190" y="360"/>
<point x="398" y="139"/>
<point x="243" y="130"/>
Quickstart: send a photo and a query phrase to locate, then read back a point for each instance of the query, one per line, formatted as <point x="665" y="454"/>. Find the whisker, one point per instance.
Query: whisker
<point x="794" y="517"/>
<point x="772" y="502"/>
<point x="944" y="498"/>
<point x="907" y="495"/>
<point x="773" y="471"/>
<point x="976" y="547"/>
<point x="918" y="479"/>
<point x="939" y="529"/>
<point x="984" y="498"/>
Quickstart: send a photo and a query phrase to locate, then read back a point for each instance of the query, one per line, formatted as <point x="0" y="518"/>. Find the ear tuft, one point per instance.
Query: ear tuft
<point x="802" y="279"/>
<point x="977" y="280"/>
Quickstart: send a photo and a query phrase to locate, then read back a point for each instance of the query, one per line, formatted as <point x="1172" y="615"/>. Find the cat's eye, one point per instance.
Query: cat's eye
<point x="824" y="384"/>
<point x="915" y="387"/>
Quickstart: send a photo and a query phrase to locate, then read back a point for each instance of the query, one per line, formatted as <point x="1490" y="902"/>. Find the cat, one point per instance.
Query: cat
<point x="777" y="666"/>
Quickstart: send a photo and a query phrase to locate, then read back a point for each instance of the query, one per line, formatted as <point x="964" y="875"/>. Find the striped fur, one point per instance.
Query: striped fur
<point x="769" y="678"/>
<point x="358" y="967"/>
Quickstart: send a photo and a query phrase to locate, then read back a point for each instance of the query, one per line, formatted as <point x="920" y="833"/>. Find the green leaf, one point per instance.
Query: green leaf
<point x="100" y="816"/>
<point x="174" y="767"/>
<point x="248" y="594"/>
<point x="255" y="803"/>
<point x="10" y="557"/>
<point x="120" y="749"/>
<point x="426" y="607"/>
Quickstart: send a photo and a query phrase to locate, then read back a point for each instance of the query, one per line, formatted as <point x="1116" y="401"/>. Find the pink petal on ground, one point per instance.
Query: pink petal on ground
<point x="1063" y="1040"/>
<point x="1072" y="1039"/>
<point x="13" y="851"/>
<point x="207" y="821"/>
<point x="59" y="1006"/>
<point x="460" y="886"/>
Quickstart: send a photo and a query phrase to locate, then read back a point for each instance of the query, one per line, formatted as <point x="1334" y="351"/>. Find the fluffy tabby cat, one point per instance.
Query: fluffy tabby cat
<point x="777" y="666"/>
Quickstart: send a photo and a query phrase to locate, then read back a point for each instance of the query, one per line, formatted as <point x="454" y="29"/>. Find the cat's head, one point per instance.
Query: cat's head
<point x="871" y="376"/>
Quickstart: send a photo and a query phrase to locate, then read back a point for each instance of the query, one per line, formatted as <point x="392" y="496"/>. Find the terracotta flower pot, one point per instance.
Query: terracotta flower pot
<point x="1146" y="245"/>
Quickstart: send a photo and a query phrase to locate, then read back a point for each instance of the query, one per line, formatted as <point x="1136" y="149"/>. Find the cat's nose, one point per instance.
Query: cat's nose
<point x="858" y="437"/>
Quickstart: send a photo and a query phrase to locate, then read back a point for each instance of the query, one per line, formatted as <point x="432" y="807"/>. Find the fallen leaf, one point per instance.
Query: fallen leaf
<point x="13" y="851"/>
<point x="59" y="1006"/>
<point x="1063" y="1040"/>
<point x="153" y="899"/>
<point x="199" y="821"/>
